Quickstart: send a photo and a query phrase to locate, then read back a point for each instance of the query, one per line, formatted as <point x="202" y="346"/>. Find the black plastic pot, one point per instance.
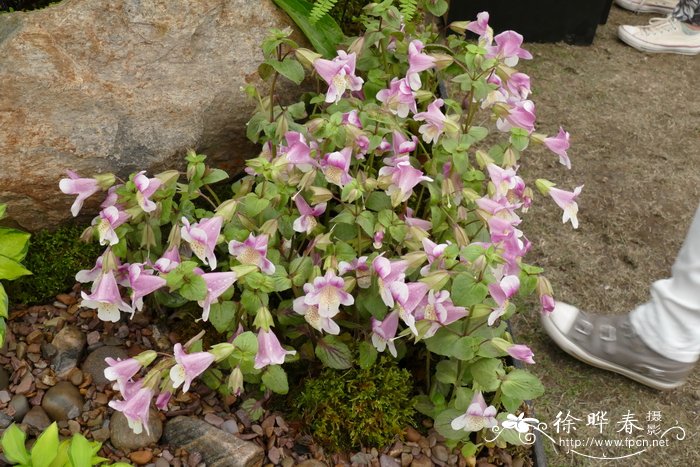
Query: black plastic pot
<point x="572" y="21"/>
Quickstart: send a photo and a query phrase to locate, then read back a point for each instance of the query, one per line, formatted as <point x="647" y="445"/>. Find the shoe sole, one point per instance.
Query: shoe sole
<point x="642" y="46"/>
<point x="581" y="354"/>
<point x="643" y="7"/>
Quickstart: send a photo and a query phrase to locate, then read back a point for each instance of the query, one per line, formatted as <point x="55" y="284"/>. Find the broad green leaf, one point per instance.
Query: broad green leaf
<point x="4" y="302"/>
<point x="442" y="342"/>
<point x="300" y="269"/>
<point x="194" y="287"/>
<point x="13" y="445"/>
<point x="246" y="342"/>
<point x="366" y="221"/>
<point x="289" y="68"/>
<point x="368" y="355"/>
<point x="3" y="326"/>
<point x="214" y="175"/>
<point x="251" y="205"/>
<point x="446" y="372"/>
<point x="521" y="384"/>
<point x="486" y="373"/>
<point x="275" y="379"/>
<point x="61" y="459"/>
<point x="13" y="243"/>
<point x="11" y="269"/>
<point x="378" y="201"/>
<point x="463" y="398"/>
<point x="443" y="425"/>
<point x="222" y="315"/>
<point x="465" y="348"/>
<point x="334" y="353"/>
<point x="46" y="447"/>
<point x="324" y="35"/>
<point x="466" y="291"/>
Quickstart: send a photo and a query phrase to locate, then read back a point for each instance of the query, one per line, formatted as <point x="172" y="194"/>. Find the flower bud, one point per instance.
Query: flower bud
<point x="442" y="61"/>
<point x="222" y="351"/>
<point x="483" y="159"/>
<point x="509" y="158"/>
<point x="460" y="236"/>
<point x="270" y="227"/>
<point x="357" y="45"/>
<point x="235" y="381"/>
<point x="543" y="185"/>
<point x="460" y="27"/>
<point x="320" y="195"/>
<point x="415" y="259"/>
<point x="105" y="180"/>
<point x="263" y="319"/>
<point x="227" y="209"/>
<point x="306" y="57"/>
<point x="146" y="358"/>
<point x="168" y="177"/>
<point x="436" y="280"/>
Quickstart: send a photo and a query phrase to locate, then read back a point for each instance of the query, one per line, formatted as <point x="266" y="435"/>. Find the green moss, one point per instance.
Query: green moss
<point x="353" y="408"/>
<point x="54" y="258"/>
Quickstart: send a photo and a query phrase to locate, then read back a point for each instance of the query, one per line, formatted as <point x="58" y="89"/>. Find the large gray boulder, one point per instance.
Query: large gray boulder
<point x="120" y="86"/>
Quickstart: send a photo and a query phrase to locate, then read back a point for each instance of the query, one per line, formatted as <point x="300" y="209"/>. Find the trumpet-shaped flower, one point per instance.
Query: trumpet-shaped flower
<point x="477" y="416"/>
<point x="406" y="306"/>
<point x="307" y="221"/>
<point x="501" y="292"/>
<point x="404" y="177"/>
<point x="384" y="333"/>
<point x="83" y="187"/>
<point x="110" y="218"/>
<point x="438" y="308"/>
<point x="217" y="284"/>
<point x="504" y="180"/>
<point x="327" y="293"/>
<point x="298" y="151"/>
<point x="339" y="73"/>
<point x="145" y="187"/>
<point x="162" y="400"/>
<point x="253" y="251"/>
<point x="361" y="268"/>
<point x="567" y="201"/>
<point x="142" y="283"/>
<point x="521" y="114"/>
<point x="433" y="251"/>
<point x="336" y="167"/>
<point x="547" y="303"/>
<point x="522" y="353"/>
<point x="135" y="406"/>
<point x="106" y="299"/>
<point x="508" y="48"/>
<point x="417" y="62"/>
<point x="169" y="260"/>
<point x="270" y="351"/>
<point x="481" y="26"/>
<point x="312" y="316"/>
<point x="518" y="85"/>
<point x="399" y="98"/>
<point x="401" y="145"/>
<point x="188" y="366"/>
<point x="352" y="118"/>
<point x="558" y="145"/>
<point x="121" y="371"/>
<point x="202" y="238"/>
<point x="436" y="123"/>
<point x="391" y="277"/>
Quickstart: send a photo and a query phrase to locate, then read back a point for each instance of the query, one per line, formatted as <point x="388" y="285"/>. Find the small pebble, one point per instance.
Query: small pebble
<point x="93" y="337"/>
<point x="5" y="397"/>
<point x="66" y="299"/>
<point x="76" y="376"/>
<point x="413" y="435"/>
<point x="160" y="462"/>
<point x="141" y="457"/>
<point x="230" y="426"/>
<point x="213" y="419"/>
<point x="73" y="426"/>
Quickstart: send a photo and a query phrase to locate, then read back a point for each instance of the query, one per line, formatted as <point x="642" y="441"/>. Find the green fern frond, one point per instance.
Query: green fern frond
<point x="408" y="9"/>
<point x="321" y="8"/>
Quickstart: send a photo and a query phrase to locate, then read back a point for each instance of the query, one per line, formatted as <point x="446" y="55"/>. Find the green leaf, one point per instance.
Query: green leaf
<point x="13" y="445"/>
<point x="46" y="447"/>
<point x="222" y="315"/>
<point x="214" y="175"/>
<point x="437" y="7"/>
<point x="246" y="342"/>
<point x="194" y="287"/>
<point x="275" y="379"/>
<point x="324" y="35"/>
<point x="521" y="384"/>
<point x="3" y="326"/>
<point x="442" y="342"/>
<point x="486" y="372"/>
<point x="334" y="353"/>
<point x="289" y="68"/>
<point x="300" y="269"/>
<point x="251" y="205"/>
<point x="80" y="451"/>
<point x="61" y="459"/>
<point x="465" y="348"/>
<point x="13" y="243"/>
<point x="11" y="269"/>
<point x="466" y="291"/>
<point x="377" y="201"/>
<point x="4" y="302"/>
<point x="443" y="425"/>
<point x="368" y="355"/>
<point x="366" y="221"/>
<point x="446" y="372"/>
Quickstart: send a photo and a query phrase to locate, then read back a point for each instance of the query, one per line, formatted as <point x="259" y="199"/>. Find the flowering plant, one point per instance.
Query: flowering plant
<point x="380" y="216"/>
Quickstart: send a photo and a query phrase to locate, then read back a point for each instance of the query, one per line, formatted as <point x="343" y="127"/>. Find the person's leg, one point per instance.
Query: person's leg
<point x="670" y="322"/>
<point x="677" y="33"/>
<point x="658" y="343"/>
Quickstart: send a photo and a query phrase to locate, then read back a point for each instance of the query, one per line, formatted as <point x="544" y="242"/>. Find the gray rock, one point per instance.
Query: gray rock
<point x="70" y="344"/>
<point x="21" y="405"/>
<point x="121" y="86"/>
<point x="124" y="439"/>
<point x="95" y="364"/>
<point x="63" y="401"/>
<point x="4" y="379"/>
<point x="220" y="449"/>
<point x="37" y="418"/>
<point x="5" y="420"/>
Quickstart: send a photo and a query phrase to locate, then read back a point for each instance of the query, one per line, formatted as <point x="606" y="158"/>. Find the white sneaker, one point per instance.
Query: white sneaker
<point x="648" y="6"/>
<point x="662" y="35"/>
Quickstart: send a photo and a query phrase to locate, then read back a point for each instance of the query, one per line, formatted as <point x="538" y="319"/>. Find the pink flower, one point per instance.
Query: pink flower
<point x="145" y="187"/>
<point x="307" y="221"/>
<point x="567" y="201"/>
<point x="438" y="308"/>
<point x="362" y="272"/>
<point x="519" y="85"/>
<point x="217" y="284"/>
<point x="110" y="219"/>
<point x="339" y="73"/>
<point x="202" y="237"/>
<point x="352" y="118"/>
<point x="521" y="114"/>
<point x="384" y="333"/>
<point x="162" y="400"/>
<point x="433" y="251"/>
<point x="477" y="416"/>
<point x="169" y="260"/>
<point x="407" y="305"/>
<point x="501" y="292"/>
<point x="327" y="293"/>
<point x="417" y="62"/>
<point x="188" y="366"/>
<point x="299" y="151"/>
<point x="481" y="25"/>
<point x="106" y="299"/>
<point x="378" y="239"/>
<point x="253" y="251"/>
<point x="142" y="283"/>
<point x="83" y="187"/>
<point x="404" y="177"/>
<point x="522" y="353"/>
<point x="399" y="98"/>
<point x="558" y="145"/>
<point x="401" y="145"/>
<point x="435" y="122"/>
<point x="504" y="180"/>
<point x="391" y="276"/>
<point x="121" y="371"/>
<point x="336" y="166"/>
<point x="312" y="316"/>
<point x="135" y="407"/>
<point x="508" y="48"/>
<point x="415" y="221"/>
<point x="547" y="303"/>
<point x="270" y="351"/>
